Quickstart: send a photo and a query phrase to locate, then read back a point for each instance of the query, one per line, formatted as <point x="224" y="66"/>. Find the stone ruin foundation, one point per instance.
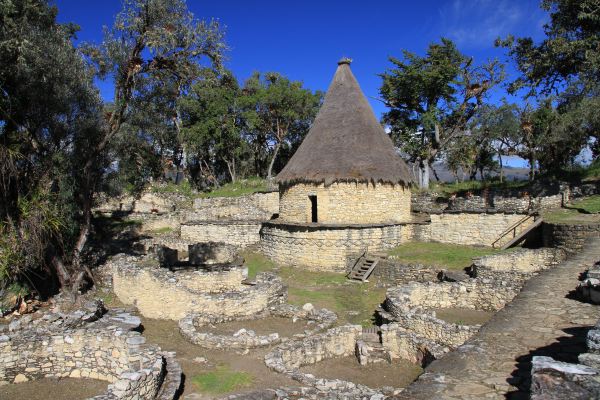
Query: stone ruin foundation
<point x="213" y="292"/>
<point x="191" y="327"/>
<point x="92" y="343"/>
<point x="498" y="279"/>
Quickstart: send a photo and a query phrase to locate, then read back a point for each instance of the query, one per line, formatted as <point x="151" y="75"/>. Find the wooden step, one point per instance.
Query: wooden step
<point x="523" y="234"/>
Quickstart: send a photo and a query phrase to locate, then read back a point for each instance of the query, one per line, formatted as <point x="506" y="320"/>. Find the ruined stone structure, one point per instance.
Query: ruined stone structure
<point x="91" y="344"/>
<point x="344" y="189"/>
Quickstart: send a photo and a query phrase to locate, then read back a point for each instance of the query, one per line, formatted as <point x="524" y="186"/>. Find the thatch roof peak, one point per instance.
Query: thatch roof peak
<point x="346" y="143"/>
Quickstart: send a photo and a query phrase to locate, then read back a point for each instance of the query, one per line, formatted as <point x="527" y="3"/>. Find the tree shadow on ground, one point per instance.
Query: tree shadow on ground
<point x="566" y="349"/>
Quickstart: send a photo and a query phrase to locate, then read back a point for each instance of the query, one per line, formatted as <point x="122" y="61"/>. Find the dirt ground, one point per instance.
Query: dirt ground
<point x="54" y="389"/>
<point x="463" y="316"/>
<point x="399" y="374"/>
<point x="285" y="327"/>
<point x="166" y="335"/>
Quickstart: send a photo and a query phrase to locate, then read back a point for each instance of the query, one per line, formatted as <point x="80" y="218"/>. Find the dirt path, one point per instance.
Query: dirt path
<point x="166" y="335"/>
<point x="398" y="374"/>
<point x="543" y="319"/>
<point x="55" y="389"/>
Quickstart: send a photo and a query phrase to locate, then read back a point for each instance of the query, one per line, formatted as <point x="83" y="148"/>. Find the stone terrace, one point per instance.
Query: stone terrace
<point x="542" y="320"/>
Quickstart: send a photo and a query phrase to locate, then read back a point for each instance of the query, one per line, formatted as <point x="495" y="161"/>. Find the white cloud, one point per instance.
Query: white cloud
<point x="477" y="23"/>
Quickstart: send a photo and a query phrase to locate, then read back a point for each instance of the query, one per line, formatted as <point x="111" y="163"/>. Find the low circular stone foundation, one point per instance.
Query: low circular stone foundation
<point x="326" y="247"/>
<point x="191" y="327"/>
<point x="91" y="345"/>
<point x="163" y="294"/>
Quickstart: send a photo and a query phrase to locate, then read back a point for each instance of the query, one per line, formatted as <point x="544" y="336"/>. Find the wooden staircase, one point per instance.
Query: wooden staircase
<point x="363" y="267"/>
<point x="518" y="232"/>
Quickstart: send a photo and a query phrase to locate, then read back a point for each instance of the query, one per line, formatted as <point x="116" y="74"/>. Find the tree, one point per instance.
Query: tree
<point x="49" y="124"/>
<point x="211" y="123"/>
<point x="433" y="98"/>
<point x="277" y="110"/>
<point x="564" y="68"/>
<point x="152" y="42"/>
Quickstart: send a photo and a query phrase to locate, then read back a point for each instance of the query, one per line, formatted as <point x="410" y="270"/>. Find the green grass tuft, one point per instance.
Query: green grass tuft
<point x="222" y="380"/>
<point x="443" y="255"/>
<point x="161" y="231"/>
<point x="239" y="188"/>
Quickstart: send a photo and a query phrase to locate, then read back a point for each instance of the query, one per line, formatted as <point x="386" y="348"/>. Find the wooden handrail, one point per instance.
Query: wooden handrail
<point x="513" y="228"/>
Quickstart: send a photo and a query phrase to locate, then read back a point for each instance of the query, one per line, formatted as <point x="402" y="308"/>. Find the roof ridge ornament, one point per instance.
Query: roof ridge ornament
<point x="345" y="60"/>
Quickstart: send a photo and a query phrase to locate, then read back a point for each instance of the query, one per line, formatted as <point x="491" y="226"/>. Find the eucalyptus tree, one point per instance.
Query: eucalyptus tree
<point x="433" y="98"/>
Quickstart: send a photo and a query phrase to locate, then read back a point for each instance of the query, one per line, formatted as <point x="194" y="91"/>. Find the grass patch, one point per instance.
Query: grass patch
<point x="239" y="188"/>
<point x="161" y="231"/>
<point x="354" y="303"/>
<point x="184" y="188"/>
<point x="450" y="256"/>
<point x="222" y="380"/>
<point x="581" y="211"/>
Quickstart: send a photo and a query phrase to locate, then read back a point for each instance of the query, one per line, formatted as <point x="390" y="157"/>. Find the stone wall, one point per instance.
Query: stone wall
<point x="506" y="201"/>
<point x="191" y="327"/>
<point x="327" y="247"/>
<point x="390" y="272"/>
<point x="162" y="294"/>
<point x="402" y="344"/>
<point x="410" y="307"/>
<point x="256" y="206"/>
<point x="94" y="346"/>
<point x="568" y="237"/>
<point x="340" y="203"/>
<point x="519" y="260"/>
<point x="478" y="229"/>
<point x="236" y="233"/>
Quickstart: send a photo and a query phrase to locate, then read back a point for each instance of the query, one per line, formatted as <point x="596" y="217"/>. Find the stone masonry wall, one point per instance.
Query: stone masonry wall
<point x="390" y="272"/>
<point x="327" y="248"/>
<point x="237" y="233"/>
<point x="467" y="228"/>
<point x="256" y="206"/>
<point x="78" y="346"/>
<point x="519" y="260"/>
<point x="568" y="237"/>
<point x="162" y="294"/>
<point x="352" y="203"/>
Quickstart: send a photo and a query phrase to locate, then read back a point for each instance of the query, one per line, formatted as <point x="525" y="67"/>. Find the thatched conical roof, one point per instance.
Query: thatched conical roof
<point x="346" y="143"/>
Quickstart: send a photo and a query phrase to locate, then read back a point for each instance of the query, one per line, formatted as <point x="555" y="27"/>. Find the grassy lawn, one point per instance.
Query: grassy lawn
<point x="221" y="380"/>
<point x="239" y="188"/>
<point x="581" y="211"/>
<point x="439" y="254"/>
<point x="354" y="302"/>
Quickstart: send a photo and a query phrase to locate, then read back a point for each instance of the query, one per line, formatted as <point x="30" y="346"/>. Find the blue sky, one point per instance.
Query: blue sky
<point x="304" y="39"/>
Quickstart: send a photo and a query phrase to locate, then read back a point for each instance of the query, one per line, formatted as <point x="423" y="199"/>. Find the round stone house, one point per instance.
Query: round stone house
<point x="344" y="191"/>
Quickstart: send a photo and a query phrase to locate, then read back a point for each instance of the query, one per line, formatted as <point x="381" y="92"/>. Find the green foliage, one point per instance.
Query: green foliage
<point x="432" y="98"/>
<point x="441" y="255"/>
<point x="221" y="380"/>
<point x="277" y="112"/>
<point x="472" y="186"/>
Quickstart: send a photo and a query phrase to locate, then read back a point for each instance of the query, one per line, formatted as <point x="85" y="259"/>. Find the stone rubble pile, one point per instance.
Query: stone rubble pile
<point x="589" y="288"/>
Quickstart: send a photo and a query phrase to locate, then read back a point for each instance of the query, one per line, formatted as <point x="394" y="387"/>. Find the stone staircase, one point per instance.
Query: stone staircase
<point x="369" y="349"/>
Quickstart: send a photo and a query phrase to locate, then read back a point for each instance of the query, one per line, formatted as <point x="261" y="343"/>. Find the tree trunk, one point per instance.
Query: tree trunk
<point x="231" y="169"/>
<point x="501" y="167"/>
<point x="424" y="174"/>
<point x="270" y="170"/>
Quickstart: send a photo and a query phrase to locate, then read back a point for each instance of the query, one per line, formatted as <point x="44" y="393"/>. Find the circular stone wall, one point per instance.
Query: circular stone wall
<point x="343" y="203"/>
<point x="67" y="345"/>
<point x="327" y="247"/>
